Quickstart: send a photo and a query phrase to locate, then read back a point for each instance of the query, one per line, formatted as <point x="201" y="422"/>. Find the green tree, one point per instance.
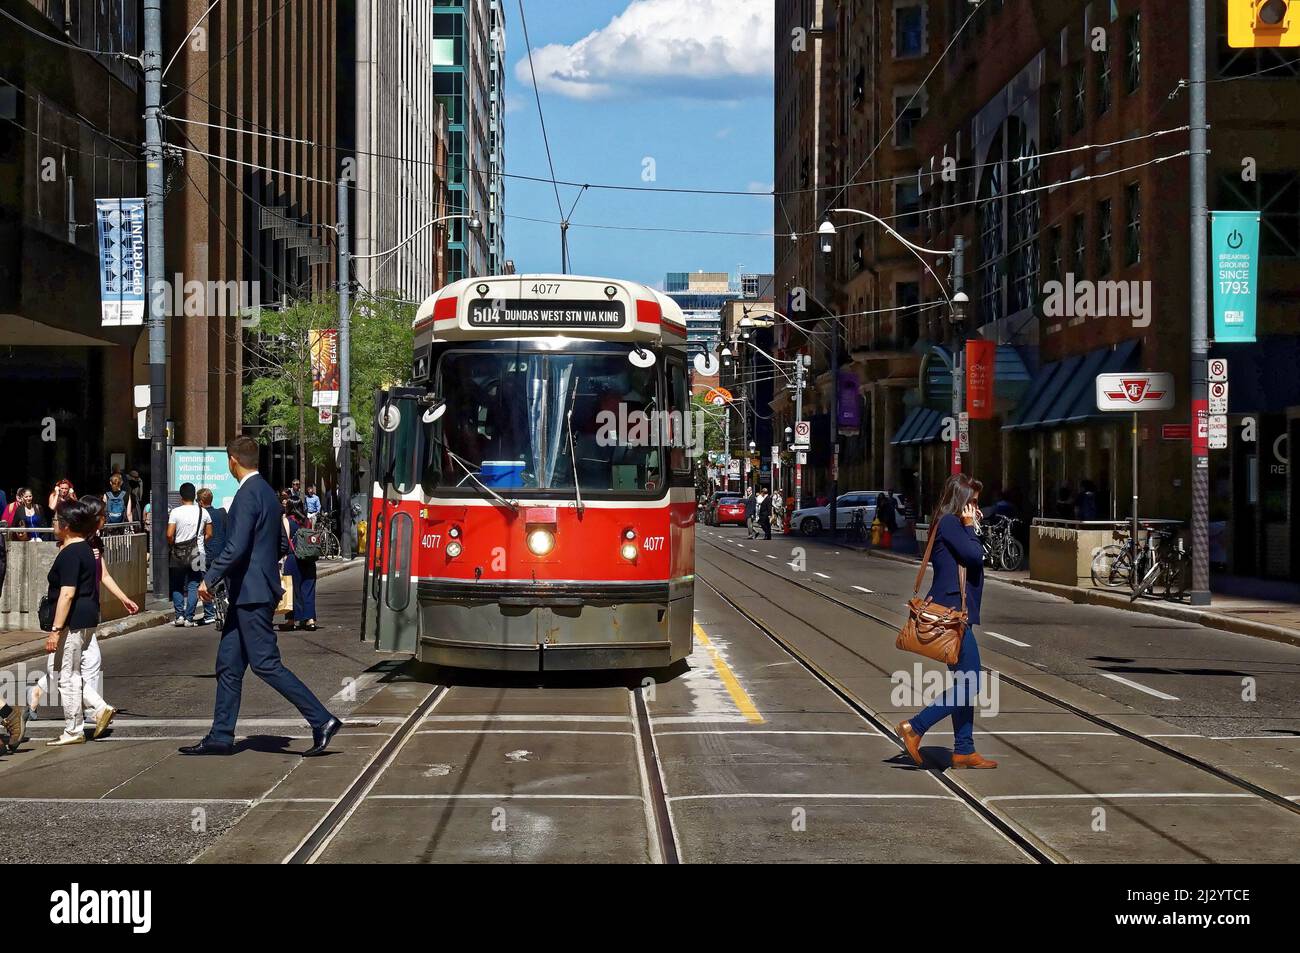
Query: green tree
<point x="278" y="370"/>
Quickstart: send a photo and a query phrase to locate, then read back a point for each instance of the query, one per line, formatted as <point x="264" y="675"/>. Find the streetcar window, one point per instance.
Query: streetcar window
<point x="679" y="407"/>
<point x="508" y="418"/>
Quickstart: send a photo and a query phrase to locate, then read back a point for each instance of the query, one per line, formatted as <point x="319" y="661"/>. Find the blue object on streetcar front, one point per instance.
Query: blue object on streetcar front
<point x="502" y="473"/>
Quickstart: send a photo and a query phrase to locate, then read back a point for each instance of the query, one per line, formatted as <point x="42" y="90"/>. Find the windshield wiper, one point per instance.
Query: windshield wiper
<point x="573" y="454"/>
<point x="514" y="507"/>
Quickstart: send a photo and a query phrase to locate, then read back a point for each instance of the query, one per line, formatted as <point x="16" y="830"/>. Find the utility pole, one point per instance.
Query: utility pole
<point x="155" y="267"/>
<point x="346" y="429"/>
<point x="959" y="348"/>
<point x="798" y="416"/>
<point x="835" y="423"/>
<point x="1200" y="595"/>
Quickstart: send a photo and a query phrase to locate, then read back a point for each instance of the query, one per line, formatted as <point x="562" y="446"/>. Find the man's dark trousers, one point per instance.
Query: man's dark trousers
<point x="248" y="639"/>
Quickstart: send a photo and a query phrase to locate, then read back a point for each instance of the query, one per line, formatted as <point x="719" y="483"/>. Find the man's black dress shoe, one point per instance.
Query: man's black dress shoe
<point x="321" y="737"/>
<point x="207" y="746"/>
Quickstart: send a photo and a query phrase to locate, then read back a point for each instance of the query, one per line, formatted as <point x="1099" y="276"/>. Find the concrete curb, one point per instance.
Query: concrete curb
<point x="1100" y="597"/>
<point x="147" y="618"/>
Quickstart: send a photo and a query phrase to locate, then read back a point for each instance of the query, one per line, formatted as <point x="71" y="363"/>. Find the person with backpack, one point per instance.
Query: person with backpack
<point x="300" y="566"/>
<point x="188" y="527"/>
<point x="213" y="545"/>
<point x="119" y="505"/>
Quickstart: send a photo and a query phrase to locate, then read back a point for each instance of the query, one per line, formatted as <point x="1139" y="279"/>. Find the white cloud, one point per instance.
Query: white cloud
<point x="703" y="49"/>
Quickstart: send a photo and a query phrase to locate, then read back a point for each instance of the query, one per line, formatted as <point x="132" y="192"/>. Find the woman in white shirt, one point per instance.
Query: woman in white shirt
<point x="188" y="526"/>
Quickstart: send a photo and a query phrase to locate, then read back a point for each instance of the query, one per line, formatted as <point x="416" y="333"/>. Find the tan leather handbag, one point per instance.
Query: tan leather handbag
<point x="933" y="630"/>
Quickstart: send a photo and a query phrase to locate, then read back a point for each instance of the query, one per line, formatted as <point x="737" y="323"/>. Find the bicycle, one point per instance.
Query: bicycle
<point x="1161" y="562"/>
<point x="332" y="548"/>
<point x="1002" y="549"/>
<point x="858" y="531"/>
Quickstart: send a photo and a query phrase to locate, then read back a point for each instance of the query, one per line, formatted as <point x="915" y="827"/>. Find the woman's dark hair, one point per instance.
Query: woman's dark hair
<point x="957" y="492"/>
<point x="80" y="516"/>
<point x="296" y="510"/>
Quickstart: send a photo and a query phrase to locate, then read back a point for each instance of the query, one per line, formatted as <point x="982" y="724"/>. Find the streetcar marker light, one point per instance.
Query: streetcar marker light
<point x="454" y="532"/>
<point x="629" y="552"/>
<point x="453" y="549"/>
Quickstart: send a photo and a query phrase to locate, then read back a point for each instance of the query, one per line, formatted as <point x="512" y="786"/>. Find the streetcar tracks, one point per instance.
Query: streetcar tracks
<point x="1288" y="803"/>
<point x="659" y="820"/>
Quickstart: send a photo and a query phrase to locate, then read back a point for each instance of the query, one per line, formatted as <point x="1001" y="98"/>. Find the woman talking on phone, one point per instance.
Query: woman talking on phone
<point x="956" y="547"/>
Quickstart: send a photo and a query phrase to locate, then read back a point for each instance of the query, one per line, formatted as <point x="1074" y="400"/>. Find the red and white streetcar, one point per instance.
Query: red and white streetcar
<point x="533" y="505"/>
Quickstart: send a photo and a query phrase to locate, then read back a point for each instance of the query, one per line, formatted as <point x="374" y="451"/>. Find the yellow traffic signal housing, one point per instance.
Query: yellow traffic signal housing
<point x="1263" y="23"/>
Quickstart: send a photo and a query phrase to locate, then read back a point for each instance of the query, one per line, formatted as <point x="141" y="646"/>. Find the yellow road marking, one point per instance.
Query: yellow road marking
<point x="734" y="688"/>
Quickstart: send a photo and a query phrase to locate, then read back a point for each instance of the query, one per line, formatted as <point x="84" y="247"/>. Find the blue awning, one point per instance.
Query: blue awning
<point x="922" y="425"/>
<point x="1063" y="391"/>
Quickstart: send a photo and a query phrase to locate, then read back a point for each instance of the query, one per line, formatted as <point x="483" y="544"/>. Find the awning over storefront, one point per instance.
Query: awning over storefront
<point x="922" y="425"/>
<point x="1063" y="391"/>
<point x="17" y="331"/>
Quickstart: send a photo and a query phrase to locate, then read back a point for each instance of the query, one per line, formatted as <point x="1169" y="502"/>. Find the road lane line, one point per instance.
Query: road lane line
<point x="821" y="797"/>
<point x="756" y="731"/>
<point x="863" y="589"/>
<point x="734" y="688"/>
<point x="822" y="574"/>
<point x="619" y="719"/>
<point x="503" y="797"/>
<point x="769" y="556"/>
<point x="1093" y="797"/>
<point x="1142" y="688"/>
<point x="998" y="635"/>
<point x="516" y="731"/>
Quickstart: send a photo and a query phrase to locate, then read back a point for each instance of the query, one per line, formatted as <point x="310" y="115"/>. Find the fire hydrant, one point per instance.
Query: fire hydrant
<point x="876" y="530"/>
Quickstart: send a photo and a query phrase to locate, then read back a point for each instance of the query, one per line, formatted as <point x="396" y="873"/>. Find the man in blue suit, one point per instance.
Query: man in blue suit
<point x="250" y="564"/>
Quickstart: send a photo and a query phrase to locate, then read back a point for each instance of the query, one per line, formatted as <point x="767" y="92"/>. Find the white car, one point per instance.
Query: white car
<point x="811" y="520"/>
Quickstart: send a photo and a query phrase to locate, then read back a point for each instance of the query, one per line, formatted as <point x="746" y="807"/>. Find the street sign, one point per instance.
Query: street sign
<point x="1140" y="390"/>
<point x="1218" y="430"/>
<point x="802" y="459"/>
<point x="325" y="415"/>
<point x="963" y="432"/>
<point x="1217" y="368"/>
<point x="1218" y="398"/>
<point x="338" y="438"/>
<point x="802" y="434"/>
<point x="1176" y="432"/>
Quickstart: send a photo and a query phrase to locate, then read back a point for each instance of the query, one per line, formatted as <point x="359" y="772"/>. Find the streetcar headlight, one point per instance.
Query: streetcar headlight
<point x="541" y="542"/>
<point x="453" y="549"/>
<point x="629" y="552"/>
<point x="454" y="532"/>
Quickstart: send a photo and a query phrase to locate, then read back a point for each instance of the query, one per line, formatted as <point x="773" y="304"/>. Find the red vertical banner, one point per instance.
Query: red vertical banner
<point x="1200" y="428"/>
<point x="980" y="358"/>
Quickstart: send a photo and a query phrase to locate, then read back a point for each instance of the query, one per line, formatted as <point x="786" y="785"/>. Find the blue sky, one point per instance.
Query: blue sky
<point x="686" y="83"/>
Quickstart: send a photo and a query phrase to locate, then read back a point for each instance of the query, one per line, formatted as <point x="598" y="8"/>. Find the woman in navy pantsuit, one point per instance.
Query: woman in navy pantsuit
<point x="302" y="571"/>
<point x="955" y="545"/>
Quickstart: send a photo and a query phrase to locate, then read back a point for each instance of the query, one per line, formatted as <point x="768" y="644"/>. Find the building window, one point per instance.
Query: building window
<point x="907" y="323"/>
<point x="1054" y="253"/>
<point x="1133" y="53"/>
<point x="1055" y="116"/>
<point x="1276" y="196"/>
<point x="1133" y="224"/>
<point x="1104" y="228"/>
<point x="1079" y="246"/>
<point x="909" y="31"/>
<point x="1103" y="83"/>
<point x="907" y="116"/>
<point x="907" y="203"/>
<point x="1078" y="97"/>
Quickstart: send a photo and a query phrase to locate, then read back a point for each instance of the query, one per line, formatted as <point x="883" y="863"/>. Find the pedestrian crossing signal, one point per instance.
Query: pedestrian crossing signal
<point x="1263" y="23"/>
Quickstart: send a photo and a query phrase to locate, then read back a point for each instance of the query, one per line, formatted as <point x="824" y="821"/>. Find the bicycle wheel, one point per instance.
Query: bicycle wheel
<point x="1112" y="567"/>
<point x="1175" y="576"/>
<point x="332" y="549"/>
<point x="1013" y="554"/>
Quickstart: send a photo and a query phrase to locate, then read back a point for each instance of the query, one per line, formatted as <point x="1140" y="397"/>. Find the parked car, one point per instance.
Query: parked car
<point x="729" y="511"/>
<point x="708" y="512"/>
<point x="811" y="520"/>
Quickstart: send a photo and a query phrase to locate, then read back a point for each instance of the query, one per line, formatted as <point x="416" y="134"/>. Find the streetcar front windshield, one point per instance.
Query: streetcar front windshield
<point x="508" y="422"/>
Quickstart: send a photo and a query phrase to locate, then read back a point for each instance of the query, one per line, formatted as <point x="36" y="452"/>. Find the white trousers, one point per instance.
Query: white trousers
<point x="72" y="685"/>
<point x="92" y="677"/>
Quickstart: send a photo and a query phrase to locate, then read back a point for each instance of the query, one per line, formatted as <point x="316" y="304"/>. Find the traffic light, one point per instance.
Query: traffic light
<point x="1263" y="23"/>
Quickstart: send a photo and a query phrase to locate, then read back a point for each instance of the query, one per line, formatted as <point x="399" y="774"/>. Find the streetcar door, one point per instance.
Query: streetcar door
<point x="391" y="585"/>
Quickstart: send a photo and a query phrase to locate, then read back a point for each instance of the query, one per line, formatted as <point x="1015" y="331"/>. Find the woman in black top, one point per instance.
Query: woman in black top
<point x="74" y="587"/>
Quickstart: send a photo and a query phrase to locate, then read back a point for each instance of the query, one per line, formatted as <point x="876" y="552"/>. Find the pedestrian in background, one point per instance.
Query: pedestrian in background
<point x="751" y="517"/>
<point x="213" y="545"/>
<point x="956" y="544"/>
<point x="188" y="527"/>
<point x="63" y="490"/>
<point x="24" y="511"/>
<point x="119" y="507"/>
<point x="763" y="509"/>
<point x="302" y="571"/>
<point x="312" y="502"/>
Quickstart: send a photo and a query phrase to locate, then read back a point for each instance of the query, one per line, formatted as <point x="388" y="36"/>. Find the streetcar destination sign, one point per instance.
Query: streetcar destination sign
<point x="506" y="313"/>
<point x="1140" y="390"/>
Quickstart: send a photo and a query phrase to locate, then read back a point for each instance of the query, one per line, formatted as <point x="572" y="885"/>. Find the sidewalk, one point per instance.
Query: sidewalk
<point x="20" y="645"/>
<point x="1278" y="621"/>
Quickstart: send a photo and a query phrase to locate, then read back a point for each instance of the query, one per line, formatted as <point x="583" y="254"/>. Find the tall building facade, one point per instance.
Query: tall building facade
<point x="1047" y="145"/>
<point x="494" y="221"/>
<point x="70" y="128"/>
<point x="462" y="71"/>
<point x="401" y="151"/>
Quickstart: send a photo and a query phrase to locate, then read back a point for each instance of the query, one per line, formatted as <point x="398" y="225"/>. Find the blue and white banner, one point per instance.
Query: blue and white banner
<point x="1234" y="270"/>
<point x="121" y="261"/>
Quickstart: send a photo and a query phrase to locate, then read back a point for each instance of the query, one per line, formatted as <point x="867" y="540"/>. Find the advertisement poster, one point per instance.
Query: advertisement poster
<point x="121" y="261"/>
<point x="980" y="359"/>
<point x="324" y="346"/>
<point x="204" y="467"/>
<point x="1234" y="269"/>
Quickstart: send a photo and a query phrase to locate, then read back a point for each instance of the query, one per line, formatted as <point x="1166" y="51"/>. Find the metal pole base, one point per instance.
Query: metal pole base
<point x="1199" y="598"/>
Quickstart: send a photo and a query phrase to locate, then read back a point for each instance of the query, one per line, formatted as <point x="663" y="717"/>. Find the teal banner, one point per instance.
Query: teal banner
<point x="1234" y="271"/>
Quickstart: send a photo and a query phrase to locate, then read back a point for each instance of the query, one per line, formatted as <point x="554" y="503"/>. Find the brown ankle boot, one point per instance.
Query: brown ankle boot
<point x="972" y="760"/>
<point x="911" y="741"/>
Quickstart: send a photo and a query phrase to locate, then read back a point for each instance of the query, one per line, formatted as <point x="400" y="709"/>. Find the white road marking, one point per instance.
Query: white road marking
<point x="516" y="731"/>
<point x="831" y="797"/>
<point x="699" y="717"/>
<point x="998" y="635"/>
<point x="619" y="719"/>
<point x="1091" y="797"/>
<point x="863" y="589"/>
<point x="124" y="722"/>
<point x="128" y="800"/>
<point x="770" y="556"/>
<point x="859" y="734"/>
<point x="504" y="797"/>
<point x="1244" y="737"/>
<point x="1142" y="688"/>
<point x="117" y="736"/>
<point x="822" y="574"/>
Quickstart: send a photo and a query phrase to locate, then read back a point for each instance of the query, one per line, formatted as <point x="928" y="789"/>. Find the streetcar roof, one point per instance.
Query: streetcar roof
<point x="496" y="306"/>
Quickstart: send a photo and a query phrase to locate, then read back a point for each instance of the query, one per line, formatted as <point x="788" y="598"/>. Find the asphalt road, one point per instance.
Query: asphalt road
<point x="758" y="759"/>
